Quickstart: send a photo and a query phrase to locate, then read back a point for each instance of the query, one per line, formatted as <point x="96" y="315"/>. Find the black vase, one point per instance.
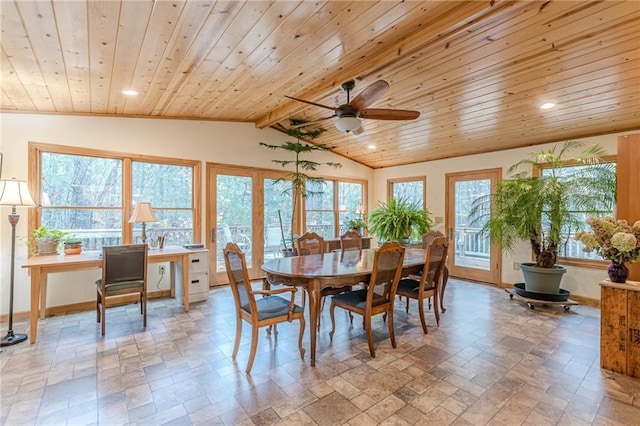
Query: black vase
<point x="618" y="272"/>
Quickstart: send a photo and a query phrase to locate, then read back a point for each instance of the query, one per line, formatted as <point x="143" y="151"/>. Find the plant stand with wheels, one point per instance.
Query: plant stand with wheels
<point x="532" y="303"/>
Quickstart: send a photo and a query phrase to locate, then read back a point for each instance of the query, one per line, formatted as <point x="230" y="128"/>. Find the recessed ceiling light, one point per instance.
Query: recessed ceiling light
<point x="129" y="92"/>
<point x="371" y="147"/>
<point x="547" y="105"/>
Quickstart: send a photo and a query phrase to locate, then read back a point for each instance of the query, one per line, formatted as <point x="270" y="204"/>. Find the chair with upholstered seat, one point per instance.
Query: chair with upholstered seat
<point x="266" y="311"/>
<point x="378" y="297"/>
<point x="124" y="271"/>
<point x="351" y="240"/>
<point x="428" y="284"/>
<point x="427" y="239"/>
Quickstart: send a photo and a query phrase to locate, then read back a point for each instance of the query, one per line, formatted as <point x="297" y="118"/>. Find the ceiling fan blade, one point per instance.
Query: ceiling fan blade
<point x="389" y="114"/>
<point x="313" y="103"/>
<point x="372" y="93"/>
<point x="309" y="123"/>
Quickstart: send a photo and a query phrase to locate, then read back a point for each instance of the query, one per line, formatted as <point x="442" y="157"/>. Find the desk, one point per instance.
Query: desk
<point x="336" y="269"/>
<point x="41" y="266"/>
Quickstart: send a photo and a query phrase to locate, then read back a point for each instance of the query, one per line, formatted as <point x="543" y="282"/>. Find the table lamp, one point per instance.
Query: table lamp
<point x="13" y="193"/>
<point x="143" y="213"/>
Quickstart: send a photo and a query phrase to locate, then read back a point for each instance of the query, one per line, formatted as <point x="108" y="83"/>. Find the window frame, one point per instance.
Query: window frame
<point x="574" y="261"/>
<point x="336" y="202"/>
<point x="423" y="179"/>
<point x="35" y="151"/>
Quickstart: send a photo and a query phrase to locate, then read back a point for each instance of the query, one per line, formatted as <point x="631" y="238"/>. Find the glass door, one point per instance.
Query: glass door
<point x="277" y="207"/>
<point x="471" y="255"/>
<point x="232" y="218"/>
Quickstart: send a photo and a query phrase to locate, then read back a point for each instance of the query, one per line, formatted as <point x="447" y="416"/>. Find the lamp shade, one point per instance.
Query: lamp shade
<point x="347" y="124"/>
<point x="15" y="192"/>
<point x="143" y="213"/>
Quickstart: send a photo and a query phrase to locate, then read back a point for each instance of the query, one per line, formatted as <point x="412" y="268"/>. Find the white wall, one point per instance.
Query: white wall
<point x="579" y="281"/>
<point x="229" y="143"/>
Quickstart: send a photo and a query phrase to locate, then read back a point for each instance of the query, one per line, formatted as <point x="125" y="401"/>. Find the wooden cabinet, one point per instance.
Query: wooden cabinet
<point x="620" y="327"/>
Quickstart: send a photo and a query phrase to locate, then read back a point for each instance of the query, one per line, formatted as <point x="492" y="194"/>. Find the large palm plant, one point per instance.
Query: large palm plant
<point x="548" y="207"/>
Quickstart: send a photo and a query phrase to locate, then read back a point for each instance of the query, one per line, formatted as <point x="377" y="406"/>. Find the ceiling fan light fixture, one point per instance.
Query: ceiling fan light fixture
<point x="347" y="124"/>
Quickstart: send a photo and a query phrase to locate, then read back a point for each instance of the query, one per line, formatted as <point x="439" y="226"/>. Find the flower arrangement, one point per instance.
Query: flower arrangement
<point x="612" y="239"/>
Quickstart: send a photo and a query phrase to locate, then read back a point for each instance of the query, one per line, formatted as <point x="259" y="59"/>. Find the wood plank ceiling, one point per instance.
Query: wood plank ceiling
<point x="477" y="71"/>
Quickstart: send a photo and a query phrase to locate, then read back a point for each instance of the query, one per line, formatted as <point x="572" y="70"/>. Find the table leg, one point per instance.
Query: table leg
<point x="172" y="279"/>
<point x="314" y="303"/>
<point x="43" y="295"/>
<point x="35" y="300"/>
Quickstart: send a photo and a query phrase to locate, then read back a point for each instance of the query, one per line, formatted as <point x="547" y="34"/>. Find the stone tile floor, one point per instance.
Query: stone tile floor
<point x="492" y="361"/>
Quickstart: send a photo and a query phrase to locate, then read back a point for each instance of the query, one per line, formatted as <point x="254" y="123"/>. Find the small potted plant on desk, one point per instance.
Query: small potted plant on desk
<point x="72" y="246"/>
<point x="357" y="224"/>
<point x="46" y="241"/>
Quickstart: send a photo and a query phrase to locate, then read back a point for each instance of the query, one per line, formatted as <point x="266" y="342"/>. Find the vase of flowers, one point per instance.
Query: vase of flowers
<point x="614" y="240"/>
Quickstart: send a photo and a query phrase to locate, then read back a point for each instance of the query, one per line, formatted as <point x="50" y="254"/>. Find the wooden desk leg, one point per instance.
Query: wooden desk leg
<point x="35" y="299"/>
<point x="43" y="295"/>
<point x="314" y="303"/>
<point x="185" y="282"/>
<point x="172" y="279"/>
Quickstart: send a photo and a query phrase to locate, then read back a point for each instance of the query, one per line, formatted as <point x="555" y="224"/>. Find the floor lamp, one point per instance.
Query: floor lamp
<point x="13" y="193"/>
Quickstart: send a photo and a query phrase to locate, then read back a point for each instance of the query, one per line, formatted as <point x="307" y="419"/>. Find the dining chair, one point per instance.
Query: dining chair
<point x="378" y="297"/>
<point x="312" y="243"/>
<point x="428" y="284"/>
<point x="266" y="311"/>
<point x="351" y="240"/>
<point x="124" y="271"/>
<point x="427" y="239"/>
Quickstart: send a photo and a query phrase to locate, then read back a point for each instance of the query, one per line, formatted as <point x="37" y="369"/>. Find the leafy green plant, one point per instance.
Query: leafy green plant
<point x="299" y="177"/>
<point x="44" y="232"/>
<point x="357" y="223"/>
<point x="548" y="208"/>
<point x="398" y="219"/>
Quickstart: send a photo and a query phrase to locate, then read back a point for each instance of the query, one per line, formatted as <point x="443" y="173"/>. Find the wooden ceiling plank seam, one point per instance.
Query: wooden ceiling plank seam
<point x="13" y="91"/>
<point x="246" y="19"/>
<point x="75" y="52"/>
<point x="133" y="22"/>
<point x="218" y="21"/>
<point x="254" y="48"/>
<point x="23" y="59"/>
<point x="102" y="44"/>
<point x="160" y="27"/>
<point x="44" y="40"/>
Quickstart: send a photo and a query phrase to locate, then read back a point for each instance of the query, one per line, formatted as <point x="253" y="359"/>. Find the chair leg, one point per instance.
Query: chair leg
<point x="422" y="318"/>
<point x="367" y="322"/>
<point x="407" y="307"/>
<point x="436" y="309"/>
<point x="254" y="346"/>
<point x="333" y="320"/>
<point x="322" y="301"/>
<point x="236" y="345"/>
<point x="98" y="307"/>
<point x="143" y="307"/>
<point x="300" y="336"/>
<point x="392" y="333"/>
<point x="103" y="314"/>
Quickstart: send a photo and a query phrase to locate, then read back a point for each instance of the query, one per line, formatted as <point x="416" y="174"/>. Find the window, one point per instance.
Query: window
<point x="410" y="189"/>
<point x="91" y="194"/>
<point x="572" y="251"/>
<point x="333" y="204"/>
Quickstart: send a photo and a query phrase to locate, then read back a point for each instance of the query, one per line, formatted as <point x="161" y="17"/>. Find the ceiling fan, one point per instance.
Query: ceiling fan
<point x="349" y="114"/>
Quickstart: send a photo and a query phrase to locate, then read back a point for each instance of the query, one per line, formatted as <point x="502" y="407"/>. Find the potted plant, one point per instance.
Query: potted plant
<point x="72" y="245"/>
<point x="399" y="220"/>
<point x="357" y="224"/>
<point x="547" y="208"/>
<point x="298" y="176"/>
<point x="46" y="241"/>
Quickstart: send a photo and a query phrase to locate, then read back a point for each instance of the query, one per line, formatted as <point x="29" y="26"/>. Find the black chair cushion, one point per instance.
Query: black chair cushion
<point x="271" y="307"/>
<point x="409" y="286"/>
<point x="120" y="286"/>
<point x="358" y="298"/>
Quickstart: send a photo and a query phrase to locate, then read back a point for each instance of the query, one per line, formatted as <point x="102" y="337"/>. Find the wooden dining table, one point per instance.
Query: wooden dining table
<point x="337" y="269"/>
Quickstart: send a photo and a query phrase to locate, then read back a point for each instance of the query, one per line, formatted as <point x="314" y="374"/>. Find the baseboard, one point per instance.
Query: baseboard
<point x="86" y="306"/>
<point x="587" y="301"/>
